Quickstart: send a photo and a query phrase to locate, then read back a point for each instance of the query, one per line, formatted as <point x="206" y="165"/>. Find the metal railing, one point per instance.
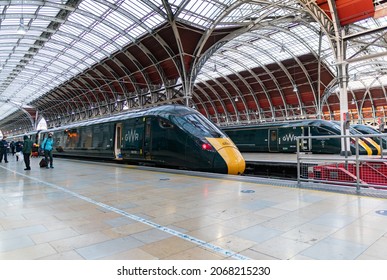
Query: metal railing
<point x="360" y="171"/>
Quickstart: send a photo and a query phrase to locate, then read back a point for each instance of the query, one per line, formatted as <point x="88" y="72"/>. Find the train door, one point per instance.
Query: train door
<point x="306" y="144"/>
<point x="273" y="140"/>
<point x="147" y="147"/>
<point x="118" y="142"/>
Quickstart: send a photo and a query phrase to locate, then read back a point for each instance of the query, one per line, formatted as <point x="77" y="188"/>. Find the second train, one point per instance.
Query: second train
<point x="281" y="138"/>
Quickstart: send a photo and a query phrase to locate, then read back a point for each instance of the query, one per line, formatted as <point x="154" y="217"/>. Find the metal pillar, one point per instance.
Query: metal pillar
<point x="342" y="73"/>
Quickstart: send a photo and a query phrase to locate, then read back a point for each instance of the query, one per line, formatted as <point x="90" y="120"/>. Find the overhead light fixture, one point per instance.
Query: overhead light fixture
<point x="282" y="47"/>
<point x="236" y="99"/>
<point x="21" y="29"/>
<point x="295" y="88"/>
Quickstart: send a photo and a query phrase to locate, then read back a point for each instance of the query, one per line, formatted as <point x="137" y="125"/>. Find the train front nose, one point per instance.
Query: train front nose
<point x="230" y="154"/>
<point x="235" y="162"/>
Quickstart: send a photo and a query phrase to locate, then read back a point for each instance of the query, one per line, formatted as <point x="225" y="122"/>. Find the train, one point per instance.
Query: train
<point x="280" y="137"/>
<point x="366" y="129"/>
<point x="173" y="136"/>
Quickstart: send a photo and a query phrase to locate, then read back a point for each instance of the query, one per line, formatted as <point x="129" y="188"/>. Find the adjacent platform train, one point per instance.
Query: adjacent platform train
<point x="281" y="137"/>
<point x="365" y="129"/>
<point x="167" y="136"/>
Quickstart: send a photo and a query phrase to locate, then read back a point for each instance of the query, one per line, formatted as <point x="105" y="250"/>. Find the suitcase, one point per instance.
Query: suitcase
<point x="43" y="163"/>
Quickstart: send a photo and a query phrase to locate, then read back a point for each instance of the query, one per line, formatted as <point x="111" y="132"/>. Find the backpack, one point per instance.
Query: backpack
<point x="43" y="163"/>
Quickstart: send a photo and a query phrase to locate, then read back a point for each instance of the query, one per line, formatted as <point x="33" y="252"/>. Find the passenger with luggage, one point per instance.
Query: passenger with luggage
<point x="27" y="148"/>
<point x="19" y="149"/>
<point x="47" y="146"/>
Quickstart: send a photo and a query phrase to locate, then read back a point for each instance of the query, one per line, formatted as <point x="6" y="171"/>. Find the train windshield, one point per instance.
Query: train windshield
<point x="199" y="126"/>
<point x="366" y="129"/>
<point x="352" y="130"/>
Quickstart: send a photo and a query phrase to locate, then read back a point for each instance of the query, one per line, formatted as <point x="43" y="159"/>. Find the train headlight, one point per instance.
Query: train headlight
<point x="207" y="147"/>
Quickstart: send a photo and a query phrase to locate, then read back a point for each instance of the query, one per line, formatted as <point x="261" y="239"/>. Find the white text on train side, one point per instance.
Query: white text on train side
<point x="289" y="137"/>
<point x="131" y="136"/>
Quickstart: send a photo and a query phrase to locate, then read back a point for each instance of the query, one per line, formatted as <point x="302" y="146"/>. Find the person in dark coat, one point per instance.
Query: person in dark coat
<point x="19" y="149"/>
<point x="3" y="149"/>
<point x="27" y="149"/>
<point x="12" y="146"/>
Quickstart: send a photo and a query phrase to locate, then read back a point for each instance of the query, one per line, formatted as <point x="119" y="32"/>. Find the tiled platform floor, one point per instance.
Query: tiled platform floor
<point x="81" y="210"/>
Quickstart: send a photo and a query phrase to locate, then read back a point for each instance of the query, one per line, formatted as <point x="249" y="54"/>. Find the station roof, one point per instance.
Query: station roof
<point x="234" y="61"/>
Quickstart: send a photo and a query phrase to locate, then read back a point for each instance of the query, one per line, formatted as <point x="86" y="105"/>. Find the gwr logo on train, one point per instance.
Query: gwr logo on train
<point x="289" y="137"/>
<point x="131" y="136"/>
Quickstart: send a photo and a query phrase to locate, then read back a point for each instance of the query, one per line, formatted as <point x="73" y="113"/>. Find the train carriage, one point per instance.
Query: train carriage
<point x="281" y="137"/>
<point x="365" y="129"/>
<point x="170" y="135"/>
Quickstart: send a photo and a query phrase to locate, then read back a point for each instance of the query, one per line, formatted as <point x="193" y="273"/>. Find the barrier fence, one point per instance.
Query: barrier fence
<point x="359" y="171"/>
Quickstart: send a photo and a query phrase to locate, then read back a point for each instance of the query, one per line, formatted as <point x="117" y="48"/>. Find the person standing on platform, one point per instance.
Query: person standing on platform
<point x="3" y="149"/>
<point x="47" y="146"/>
<point x="19" y="149"/>
<point x="12" y="146"/>
<point x="27" y="148"/>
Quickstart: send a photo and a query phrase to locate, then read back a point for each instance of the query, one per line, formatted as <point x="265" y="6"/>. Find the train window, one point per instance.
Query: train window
<point x="165" y="124"/>
<point x="273" y="135"/>
<point x="323" y="131"/>
<point x="199" y="126"/>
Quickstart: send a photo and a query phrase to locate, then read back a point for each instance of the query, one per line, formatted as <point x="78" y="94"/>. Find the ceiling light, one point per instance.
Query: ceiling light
<point x="295" y="88"/>
<point x="21" y="29"/>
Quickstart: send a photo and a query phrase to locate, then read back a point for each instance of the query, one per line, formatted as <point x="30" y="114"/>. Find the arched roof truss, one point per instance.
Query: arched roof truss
<point x="235" y="61"/>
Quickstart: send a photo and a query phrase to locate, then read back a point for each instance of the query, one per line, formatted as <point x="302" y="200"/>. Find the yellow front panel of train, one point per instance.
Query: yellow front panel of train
<point x="229" y="152"/>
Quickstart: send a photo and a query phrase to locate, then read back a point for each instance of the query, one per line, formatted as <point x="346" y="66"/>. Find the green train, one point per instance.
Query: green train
<point x="280" y="137"/>
<point x="167" y="136"/>
<point x="365" y="129"/>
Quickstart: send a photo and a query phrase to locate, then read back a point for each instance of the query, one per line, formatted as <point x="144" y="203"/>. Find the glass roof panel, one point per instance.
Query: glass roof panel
<point x="80" y="19"/>
<point x="59" y="42"/>
<point x="72" y="52"/>
<point x="44" y="11"/>
<point x="110" y="48"/>
<point x="153" y="20"/>
<point x="85" y="47"/>
<point x="136" y="32"/>
<point x="140" y="9"/>
<point x="70" y="29"/>
<point x="89" y="61"/>
<point x="94" y="39"/>
<point x="70" y="60"/>
<point x="39" y="23"/>
<point x="93" y="7"/>
<point x="54" y="46"/>
<point x="106" y="30"/>
<point x="118" y="19"/>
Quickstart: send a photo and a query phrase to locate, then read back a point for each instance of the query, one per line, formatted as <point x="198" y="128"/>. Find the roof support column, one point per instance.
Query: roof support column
<point x="342" y="74"/>
<point x="344" y="116"/>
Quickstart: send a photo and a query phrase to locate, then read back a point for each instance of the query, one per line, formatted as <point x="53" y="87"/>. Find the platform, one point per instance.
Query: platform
<point x="291" y="158"/>
<point x="284" y="165"/>
<point x="83" y="210"/>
